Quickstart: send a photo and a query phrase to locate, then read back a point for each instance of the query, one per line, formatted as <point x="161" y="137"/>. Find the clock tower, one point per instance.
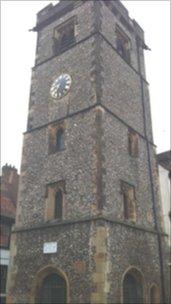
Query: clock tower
<point x="89" y="225"/>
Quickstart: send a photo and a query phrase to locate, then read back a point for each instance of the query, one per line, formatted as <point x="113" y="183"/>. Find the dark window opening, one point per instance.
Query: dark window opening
<point x="123" y="45"/>
<point x="132" y="290"/>
<point x="53" y="290"/>
<point x="64" y="37"/>
<point x="60" y="144"/>
<point x="3" y="271"/>
<point x="129" y="201"/>
<point x="58" y="204"/>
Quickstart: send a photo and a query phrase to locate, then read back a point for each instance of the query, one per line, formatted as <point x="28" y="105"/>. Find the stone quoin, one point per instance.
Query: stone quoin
<point x="89" y="180"/>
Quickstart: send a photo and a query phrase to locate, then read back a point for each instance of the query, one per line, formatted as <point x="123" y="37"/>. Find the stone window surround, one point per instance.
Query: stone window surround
<point x="155" y="298"/>
<point x="61" y="28"/>
<point x="133" y="143"/>
<point x="41" y="275"/>
<point x="51" y="190"/>
<point x="138" y="275"/>
<point x="52" y="137"/>
<point x="130" y="212"/>
<point x="120" y="31"/>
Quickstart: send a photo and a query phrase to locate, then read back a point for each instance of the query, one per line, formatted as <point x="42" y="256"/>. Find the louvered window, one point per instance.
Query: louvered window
<point x="64" y="37"/>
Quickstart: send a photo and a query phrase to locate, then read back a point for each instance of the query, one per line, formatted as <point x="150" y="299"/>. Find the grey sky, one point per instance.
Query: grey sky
<point x="17" y="58"/>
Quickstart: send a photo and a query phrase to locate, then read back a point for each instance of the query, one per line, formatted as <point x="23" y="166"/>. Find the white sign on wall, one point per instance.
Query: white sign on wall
<point x="50" y="247"/>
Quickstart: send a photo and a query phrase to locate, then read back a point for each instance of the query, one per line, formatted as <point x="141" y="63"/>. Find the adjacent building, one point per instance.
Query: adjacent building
<point x="9" y="190"/>
<point x="164" y="161"/>
<point x="89" y="225"/>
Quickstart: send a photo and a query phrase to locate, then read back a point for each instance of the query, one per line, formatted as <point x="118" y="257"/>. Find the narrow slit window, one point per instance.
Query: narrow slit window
<point x="60" y="144"/>
<point x="133" y="142"/>
<point x="129" y="201"/>
<point x="58" y="205"/>
<point x="55" y="201"/>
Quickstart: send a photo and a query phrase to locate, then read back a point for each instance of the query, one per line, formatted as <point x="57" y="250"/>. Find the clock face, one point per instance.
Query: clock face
<point x="60" y="86"/>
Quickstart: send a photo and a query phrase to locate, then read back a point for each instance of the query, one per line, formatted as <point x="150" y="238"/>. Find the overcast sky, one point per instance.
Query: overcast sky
<point x="18" y="53"/>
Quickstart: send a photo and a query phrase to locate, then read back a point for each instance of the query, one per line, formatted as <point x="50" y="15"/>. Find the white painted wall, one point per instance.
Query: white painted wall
<point x="165" y="197"/>
<point x="4" y="257"/>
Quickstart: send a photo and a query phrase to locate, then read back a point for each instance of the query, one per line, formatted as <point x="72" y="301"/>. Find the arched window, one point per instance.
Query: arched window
<point x="58" y="204"/>
<point x="53" y="290"/>
<point x="60" y="145"/>
<point x="132" y="289"/>
<point x="154" y="295"/>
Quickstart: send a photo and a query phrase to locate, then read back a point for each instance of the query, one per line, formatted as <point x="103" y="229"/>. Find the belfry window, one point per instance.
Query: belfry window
<point x="64" y="37"/>
<point x="129" y="201"/>
<point x="123" y="44"/>
<point x="133" y="143"/>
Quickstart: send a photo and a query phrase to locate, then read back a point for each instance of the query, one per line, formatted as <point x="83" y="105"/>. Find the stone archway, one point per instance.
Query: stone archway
<point x="133" y="287"/>
<point x="50" y="286"/>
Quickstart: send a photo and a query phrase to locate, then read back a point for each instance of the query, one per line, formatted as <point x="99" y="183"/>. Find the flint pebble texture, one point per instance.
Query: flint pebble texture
<point x="96" y="245"/>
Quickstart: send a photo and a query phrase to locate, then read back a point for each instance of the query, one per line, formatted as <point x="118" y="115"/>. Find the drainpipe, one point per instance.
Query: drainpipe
<point x="151" y="178"/>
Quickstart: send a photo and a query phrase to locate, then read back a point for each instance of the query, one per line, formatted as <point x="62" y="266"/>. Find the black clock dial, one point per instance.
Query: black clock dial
<point x="61" y="86"/>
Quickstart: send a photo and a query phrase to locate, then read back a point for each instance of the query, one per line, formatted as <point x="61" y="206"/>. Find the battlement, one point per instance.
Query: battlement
<point x="51" y="12"/>
<point x="8" y="167"/>
<point x="10" y="174"/>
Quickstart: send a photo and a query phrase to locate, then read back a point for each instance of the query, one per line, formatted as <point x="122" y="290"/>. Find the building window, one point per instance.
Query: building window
<point x="123" y="44"/>
<point x="5" y="234"/>
<point x="132" y="290"/>
<point x="55" y="200"/>
<point x="133" y="140"/>
<point x="64" y="37"/>
<point x="129" y="201"/>
<point x="56" y="138"/>
<point x="3" y="271"/>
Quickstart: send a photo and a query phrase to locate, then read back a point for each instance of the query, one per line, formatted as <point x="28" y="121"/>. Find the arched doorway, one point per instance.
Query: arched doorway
<point x="53" y="290"/>
<point x="132" y="288"/>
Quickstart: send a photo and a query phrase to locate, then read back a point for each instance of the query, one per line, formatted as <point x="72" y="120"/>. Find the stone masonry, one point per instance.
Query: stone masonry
<point x="108" y="97"/>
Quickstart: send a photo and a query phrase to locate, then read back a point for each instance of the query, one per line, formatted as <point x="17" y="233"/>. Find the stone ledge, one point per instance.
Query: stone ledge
<point x="84" y="220"/>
